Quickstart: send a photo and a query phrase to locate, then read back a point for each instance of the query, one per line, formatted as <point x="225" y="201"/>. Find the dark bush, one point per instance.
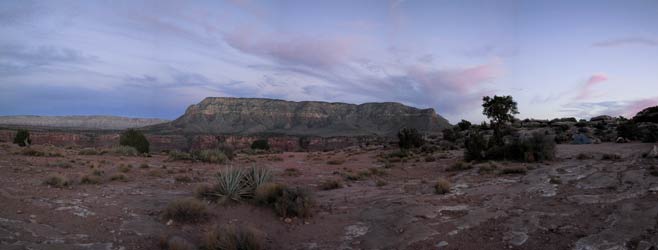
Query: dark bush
<point x="476" y="146"/>
<point x="135" y="139"/>
<point x="22" y="138"/>
<point x="186" y="210"/>
<point x="261" y="144"/>
<point x="234" y="237"/>
<point x="410" y="138"/>
<point x="294" y="202"/>
<point x="464" y="125"/>
<point x="450" y="134"/>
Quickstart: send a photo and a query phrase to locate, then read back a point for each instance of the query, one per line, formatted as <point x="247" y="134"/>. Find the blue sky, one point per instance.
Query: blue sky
<point x="155" y="58"/>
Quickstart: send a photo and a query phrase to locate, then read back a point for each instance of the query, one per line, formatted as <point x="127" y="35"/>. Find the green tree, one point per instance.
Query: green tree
<point x="464" y="125"/>
<point x="499" y="109"/>
<point x="135" y="139"/>
<point x="22" y="138"/>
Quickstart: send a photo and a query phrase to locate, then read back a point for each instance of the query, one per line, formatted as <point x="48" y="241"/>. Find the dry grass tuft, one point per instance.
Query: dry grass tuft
<point x="234" y="237"/>
<point x="442" y="186"/>
<point x="186" y="210"/>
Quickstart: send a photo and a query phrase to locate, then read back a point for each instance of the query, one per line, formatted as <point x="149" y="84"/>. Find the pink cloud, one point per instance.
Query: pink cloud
<point x="633" y="107"/>
<point x="459" y="81"/>
<point x="293" y="49"/>
<point x="586" y="91"/>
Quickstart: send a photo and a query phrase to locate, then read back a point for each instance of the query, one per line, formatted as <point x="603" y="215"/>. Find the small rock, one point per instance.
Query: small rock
<point x="442" y="244"/>
<point x="32" y="216"/>
<point x="19" y="212"/>
<point x="287" y="220"/>
<point x="170" y="222"/>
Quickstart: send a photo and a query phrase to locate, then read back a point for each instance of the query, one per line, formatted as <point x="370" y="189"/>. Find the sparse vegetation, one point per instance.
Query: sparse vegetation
<point x="442" y="186"/>
<point x="268" y="193"/>
<point x="330" y="184"/>
<point x="293" y="172"/>
<point x="459" y="166"/>
<point x="22" y="138"/>
<point x="186" y="210"/>
<point x="125" y="151"/>
<point x="294" y="202"/>
<point x="176" y="243"/>
<point x="336" y="161"/>
<point x="88" y="151"/>
<point x="125" y="168"/>
<point x="135" y="139"/>
<point x="487" y="168"/>
<point x="211" y="156"/>
<point x="610" y="157"/>
<point x="584" y="156"/>
<point x="183" y="179"/>
<point x="514" y="170"/>
<point x="234" y="237"/>
<point x="118" y="177"/>
<point x="57" y="180"/>
<point x="176" y="155"/>
<point x="60" y="164"/>
<point x="90" y="179"/>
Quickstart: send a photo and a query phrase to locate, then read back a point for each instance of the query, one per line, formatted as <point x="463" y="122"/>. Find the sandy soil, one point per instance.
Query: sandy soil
<point x="569" y="203"/>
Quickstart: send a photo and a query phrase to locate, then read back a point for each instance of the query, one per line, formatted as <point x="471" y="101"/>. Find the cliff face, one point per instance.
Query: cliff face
<point x="250" y="116"/>
<point x="79" y="122"/>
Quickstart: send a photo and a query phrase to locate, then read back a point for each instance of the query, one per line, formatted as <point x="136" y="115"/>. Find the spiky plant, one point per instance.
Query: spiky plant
<point x="231" y="185"/>
<point x="257" y="176"/>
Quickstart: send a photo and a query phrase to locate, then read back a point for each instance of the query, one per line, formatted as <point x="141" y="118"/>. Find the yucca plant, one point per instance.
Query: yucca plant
<point x="257" y="176"/>
<point x="231" y="185"/>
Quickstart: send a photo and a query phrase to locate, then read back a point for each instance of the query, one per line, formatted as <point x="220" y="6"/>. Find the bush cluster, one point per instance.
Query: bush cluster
<point x="261" y="144"/>
<point x="410" y="138"/>
<point x="22" y="138"/>
<point x="135" y="139"/>
<point x="537" y="147"/>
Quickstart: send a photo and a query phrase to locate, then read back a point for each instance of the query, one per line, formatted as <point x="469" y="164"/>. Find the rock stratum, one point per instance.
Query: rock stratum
<point x="257" y="116"/>
<point x="94" y="122"/>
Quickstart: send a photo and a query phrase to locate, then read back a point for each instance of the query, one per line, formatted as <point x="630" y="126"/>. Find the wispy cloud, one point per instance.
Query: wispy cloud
<point x="586" y="90"/>
<point x="626" y="108"/>
<point x="20" y="58"/>
<point x="643" y="41"/>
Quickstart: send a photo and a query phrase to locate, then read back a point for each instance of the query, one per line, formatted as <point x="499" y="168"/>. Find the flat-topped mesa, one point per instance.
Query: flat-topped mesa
<point x="252" y="116"/>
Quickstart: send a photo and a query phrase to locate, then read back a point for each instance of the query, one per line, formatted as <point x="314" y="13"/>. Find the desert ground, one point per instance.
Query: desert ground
<point x="584" y="199"/>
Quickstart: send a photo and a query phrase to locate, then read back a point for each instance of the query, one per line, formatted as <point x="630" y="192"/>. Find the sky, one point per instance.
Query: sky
<point x="155" y="58"/>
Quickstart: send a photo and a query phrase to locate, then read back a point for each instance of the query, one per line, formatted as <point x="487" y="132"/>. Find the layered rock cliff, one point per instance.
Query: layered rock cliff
<point x="78" y="121"/>
<point x="253" y="116"/>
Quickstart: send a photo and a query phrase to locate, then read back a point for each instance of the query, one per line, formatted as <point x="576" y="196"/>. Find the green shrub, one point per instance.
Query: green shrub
<point x="22" y="138"/>
<point x="135" y="139"/>
<point x="234" y="237"/>
<point x="464" y="125"/>
<point x="56" y="180"/>
<point x="261" y="144"/>
<point x="475" y="146"/>
<point x="231" y="185"/>
<point x="442" y="186"/>
<point x="294" y="202"/>
<point x="410" y="138"/>
<point x="186" y="210"/>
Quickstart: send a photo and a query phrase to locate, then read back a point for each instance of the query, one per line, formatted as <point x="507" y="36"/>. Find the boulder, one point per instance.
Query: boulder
<point x="653" y="153"/>
<point x="621" y="140"/>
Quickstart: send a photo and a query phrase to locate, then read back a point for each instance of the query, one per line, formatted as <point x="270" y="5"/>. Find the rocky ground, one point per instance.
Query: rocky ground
<point x="585" y="199"/>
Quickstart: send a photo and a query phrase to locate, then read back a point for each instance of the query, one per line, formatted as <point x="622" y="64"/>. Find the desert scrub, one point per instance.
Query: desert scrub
<point x="144" y="166"/>
<point x="90" y="179"/>
<point x="234" y="237"/>
<point x="336" y="161"/>
<point x="294" y="202"/>
<point x="56" y="180"/>
<point x="183" y="179"/>
<point x="175" y="243"/>
<point x="584" y="156"/>
<point x="88" y="151"/>
<point x="186" y="210"/>
<point x="60" y="164"/>
<point x="118" y="177"/>
<point x="275" y="158"/>
<point x="125" y="151"/>
<point x="211" y="156"/>
<point x="125" y="168"/>
<point x="22" y="138"/>
<point x="459" y="166"/>
<point x="514" y="170"/>
<point x="261" y="144"/>
<point x="330" y="184"/>
<point x="410" y="138"/>
<point x="179" y="156"/>
<point x="442" y="186"/>
<point x="555" y="180"/>
<point x="268" y="193"/>
<point x="293" y="172"/>
<point x="487" y="168"/>
<point x="377" y="171"/>
<point x="430" y="159"/>
<point x="610" y="157"/>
